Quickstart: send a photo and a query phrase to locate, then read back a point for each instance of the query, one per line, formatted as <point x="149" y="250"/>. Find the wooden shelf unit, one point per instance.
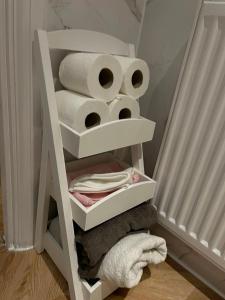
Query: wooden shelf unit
<point x="58" y="136"/>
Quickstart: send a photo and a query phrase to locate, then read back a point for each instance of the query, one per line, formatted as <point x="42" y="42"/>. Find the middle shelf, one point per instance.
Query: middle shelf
<point x="115" y="203"/>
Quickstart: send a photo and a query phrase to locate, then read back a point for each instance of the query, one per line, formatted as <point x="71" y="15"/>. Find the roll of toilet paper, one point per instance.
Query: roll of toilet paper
<point x="80" y="112"/>
<point x="136" y="76"/>
<point x="91" y="74"/>
<point x="123" y="107"/>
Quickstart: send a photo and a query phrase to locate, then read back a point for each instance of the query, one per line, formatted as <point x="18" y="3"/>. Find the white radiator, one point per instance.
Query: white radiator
<point x="190" y="172"/>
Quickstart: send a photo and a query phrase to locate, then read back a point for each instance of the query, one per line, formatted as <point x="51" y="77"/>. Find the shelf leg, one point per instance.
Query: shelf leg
<point x="43" y="197"/>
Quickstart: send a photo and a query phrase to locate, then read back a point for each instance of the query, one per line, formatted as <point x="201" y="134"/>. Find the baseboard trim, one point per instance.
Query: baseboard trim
<point x="191" y="260"/>
<point x="20" y="249"/>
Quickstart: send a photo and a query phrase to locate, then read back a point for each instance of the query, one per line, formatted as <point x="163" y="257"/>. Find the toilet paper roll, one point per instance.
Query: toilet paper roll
<point x="136" y="76"/>
<point x="91" y="74"/>
<point x="80" y="112"/>
<point x="123" y="107"/>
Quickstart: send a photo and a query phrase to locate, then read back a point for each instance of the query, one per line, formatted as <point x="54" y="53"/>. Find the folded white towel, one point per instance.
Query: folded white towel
<point x="124" y="262"/>
<point x="93" y="183"/>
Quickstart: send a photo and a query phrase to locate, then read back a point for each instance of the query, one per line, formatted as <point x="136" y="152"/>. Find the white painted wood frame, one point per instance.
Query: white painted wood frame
<point x="53" y="163"/>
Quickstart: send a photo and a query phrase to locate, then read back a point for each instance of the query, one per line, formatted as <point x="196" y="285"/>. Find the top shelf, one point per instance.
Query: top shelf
<point x="107" y="137"/>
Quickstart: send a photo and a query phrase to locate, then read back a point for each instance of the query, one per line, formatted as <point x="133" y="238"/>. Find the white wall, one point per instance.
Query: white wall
<point x="166" y="28"/>
<point x="121" y="18"/>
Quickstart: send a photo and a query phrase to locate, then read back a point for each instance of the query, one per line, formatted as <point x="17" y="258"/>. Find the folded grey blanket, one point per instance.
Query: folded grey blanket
<point x="92" y="245"/>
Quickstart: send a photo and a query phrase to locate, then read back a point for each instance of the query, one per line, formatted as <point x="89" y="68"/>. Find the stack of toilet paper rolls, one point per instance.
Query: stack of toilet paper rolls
<point x="100" y="88"/>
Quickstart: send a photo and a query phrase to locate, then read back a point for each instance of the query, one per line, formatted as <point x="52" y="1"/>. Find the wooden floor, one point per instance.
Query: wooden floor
<point x="28" y="276"/>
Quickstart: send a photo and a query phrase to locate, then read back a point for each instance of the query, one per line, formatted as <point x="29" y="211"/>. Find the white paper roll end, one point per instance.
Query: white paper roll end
<point x="136" y="76"/>
<point x="106" y="79"/>
<point x="123" y="107"/>
<point x="95" y="75"/>
<point x="80" y="112"/>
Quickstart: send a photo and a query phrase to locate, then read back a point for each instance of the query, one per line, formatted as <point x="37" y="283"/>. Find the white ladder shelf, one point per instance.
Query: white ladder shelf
<point x="57" y="136"/>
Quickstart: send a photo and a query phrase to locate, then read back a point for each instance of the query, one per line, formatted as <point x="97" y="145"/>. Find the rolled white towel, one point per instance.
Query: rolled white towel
<point x="124" y="263"/>
<point x="106" y="182"/>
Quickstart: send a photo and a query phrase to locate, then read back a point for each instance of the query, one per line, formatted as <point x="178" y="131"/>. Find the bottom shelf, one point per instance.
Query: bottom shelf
<point x="100" y="290"/>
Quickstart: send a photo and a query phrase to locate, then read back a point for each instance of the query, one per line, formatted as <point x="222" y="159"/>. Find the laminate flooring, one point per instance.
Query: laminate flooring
<point x="28" y="276"/>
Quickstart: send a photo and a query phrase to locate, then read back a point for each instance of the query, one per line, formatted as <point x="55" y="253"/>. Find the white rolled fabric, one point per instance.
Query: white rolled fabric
<point x="99" y="183"/>
<point x="91" y="74"/>
<point x="80" y="112"/>
<point x="123" y="264"/>
<point x="123" y="107"/>
<point x="136" y="76"/>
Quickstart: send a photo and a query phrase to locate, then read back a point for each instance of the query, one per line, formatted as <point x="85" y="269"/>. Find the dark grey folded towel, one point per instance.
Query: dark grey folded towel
<point x="92" y="245"/>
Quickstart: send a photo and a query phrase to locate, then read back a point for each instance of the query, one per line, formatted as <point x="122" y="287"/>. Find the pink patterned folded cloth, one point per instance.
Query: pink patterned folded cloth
<point x="88" y="199"/>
